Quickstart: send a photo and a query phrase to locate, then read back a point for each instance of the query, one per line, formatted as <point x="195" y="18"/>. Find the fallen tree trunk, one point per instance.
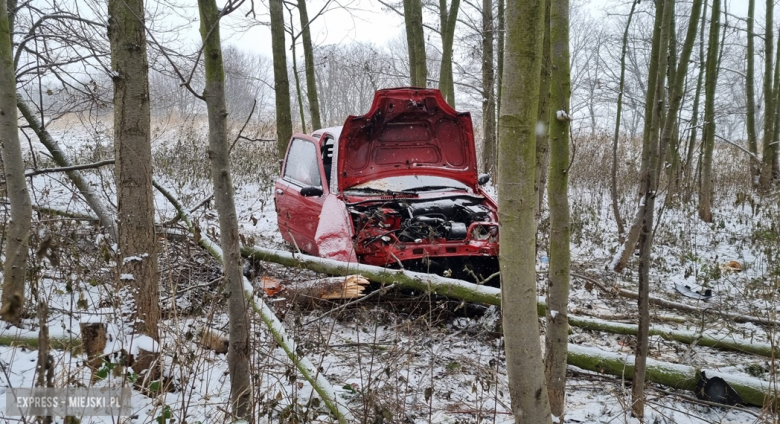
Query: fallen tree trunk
<point x="726" y="342"/>
<point x="490" y="295"/>
<point x="95" y="203"/>
<point x="31" y="341"/>
<point x="411" y="280"/>
<point x="312" y="374"/>
<point x="753" y="391"/>
<point x="716" y="310"/>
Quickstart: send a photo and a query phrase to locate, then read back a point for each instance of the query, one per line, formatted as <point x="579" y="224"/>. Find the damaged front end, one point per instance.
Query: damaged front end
<point x="451" y="235"/>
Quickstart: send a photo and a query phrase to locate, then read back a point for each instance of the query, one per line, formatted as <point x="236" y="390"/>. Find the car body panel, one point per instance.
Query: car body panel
<point x="428" y="217"/>
<point x="407" y="129"/>
<point x="298" y="215"/>
<point x="334" y="232"/>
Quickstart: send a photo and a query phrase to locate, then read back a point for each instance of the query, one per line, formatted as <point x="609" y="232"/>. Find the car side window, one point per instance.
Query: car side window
<point x="302" y="164"/>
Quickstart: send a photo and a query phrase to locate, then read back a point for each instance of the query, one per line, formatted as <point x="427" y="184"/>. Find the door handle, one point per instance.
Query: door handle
<point x="279" y="191"/>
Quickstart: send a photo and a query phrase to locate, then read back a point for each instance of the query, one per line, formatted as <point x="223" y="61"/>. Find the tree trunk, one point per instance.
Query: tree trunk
<point x="489" y="145"/>
<point x="768" y="152"/>
<point x="750" y="78"/>
<point x="298" y="93"/>
<point x="499" y="58"/>
<point x="667" y="160"/>
<point x="133" y="156"/>
<point x="94" y="201"/>
<point x="688" y="174"/>
<point x="752" y="390"/>
<point x="776" y="105"/>
<point x="676" y="92"/>
<point x="516" y="162"/>
<point x="624" y="253"/>
<point x="543" y="121"/>
<point x="457" y="289"/>
<point x="649" y="186"/>
<point x="708" y="144"/>
<point x="308" y="57"/>
<point x="618" y="115"/>
<point x="281" y="80"/>
<point x="219" y="155"/>
<point x="418" y="68"/>
<point x="18" y="228"/>
<point x="557" y="329"/>
<point x="311" y="373"/>
<point x="447" y="23"/>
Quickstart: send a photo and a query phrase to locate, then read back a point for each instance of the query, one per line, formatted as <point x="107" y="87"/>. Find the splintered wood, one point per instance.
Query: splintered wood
<point x="349" y="287"/>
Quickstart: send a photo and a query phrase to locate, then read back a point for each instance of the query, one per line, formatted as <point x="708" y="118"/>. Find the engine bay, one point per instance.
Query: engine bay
<point x="420" y="220"/>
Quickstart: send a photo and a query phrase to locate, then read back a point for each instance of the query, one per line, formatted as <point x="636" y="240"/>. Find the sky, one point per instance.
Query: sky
<point x="345" y="21"/>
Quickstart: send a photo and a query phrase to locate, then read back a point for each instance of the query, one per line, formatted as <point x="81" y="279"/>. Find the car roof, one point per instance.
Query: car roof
<point x="334" y="131"/>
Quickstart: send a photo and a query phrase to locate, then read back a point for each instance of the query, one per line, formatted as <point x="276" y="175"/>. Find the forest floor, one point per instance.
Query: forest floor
<point x="400" y="357"/>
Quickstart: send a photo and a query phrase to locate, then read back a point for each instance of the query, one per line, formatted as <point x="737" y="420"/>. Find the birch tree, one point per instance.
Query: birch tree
<point x="557" y="329"/>
<point x="516" y="163"/>
<point x="18" y="228"/>
<point x="133" y="155"/>
<point x="219" y="155"/>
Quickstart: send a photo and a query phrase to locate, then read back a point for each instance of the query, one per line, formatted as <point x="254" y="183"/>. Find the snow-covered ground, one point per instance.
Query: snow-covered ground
<point x="400" y="357"/>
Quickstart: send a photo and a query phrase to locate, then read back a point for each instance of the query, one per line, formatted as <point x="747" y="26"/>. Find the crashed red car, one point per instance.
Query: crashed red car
<point x="396" y="187"/>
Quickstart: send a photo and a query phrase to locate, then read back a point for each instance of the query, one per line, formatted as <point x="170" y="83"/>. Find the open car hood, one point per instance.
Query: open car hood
<point x="408" y="131"/>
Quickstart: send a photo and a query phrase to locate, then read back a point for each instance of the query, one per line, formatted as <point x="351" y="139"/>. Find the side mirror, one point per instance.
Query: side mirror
<point x="483" y="179"/>
<point x="311" y="191"/>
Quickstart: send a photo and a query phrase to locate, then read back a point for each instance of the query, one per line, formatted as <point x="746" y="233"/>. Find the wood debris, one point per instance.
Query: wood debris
<point x="330" y="288"/>
<point x="731" y="266"/>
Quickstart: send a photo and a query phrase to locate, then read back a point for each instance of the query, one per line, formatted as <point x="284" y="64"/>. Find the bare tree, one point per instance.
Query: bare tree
<point x="281" y="82"/>
<point x="649" y="189"/>
<point x="648" y="142"/>
<point x="448" y="20"/>
<point x="543" y="120"/>
<point x="308" y="57"/>
<point x="418" y="69"/>
<point x="557" y="329"/>
<point x="489" y="145"/>
<point x="219" y="155"/>
<point x="18" y="233"/>
<point x="750" y="76"/>
<point x="708" y="144"/>
<point x="618" y="116"/>
<point x="768" y="151"/>
<point x="499" y="55"/>
<point x="516" y="203"/>
<point x="133" y="155"/>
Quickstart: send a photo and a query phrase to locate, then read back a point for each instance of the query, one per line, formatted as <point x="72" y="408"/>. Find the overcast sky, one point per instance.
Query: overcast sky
<point x="365" y="21"/>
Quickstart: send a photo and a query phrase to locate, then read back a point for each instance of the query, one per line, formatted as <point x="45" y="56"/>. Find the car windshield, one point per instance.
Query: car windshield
<point x="411" y="184"/>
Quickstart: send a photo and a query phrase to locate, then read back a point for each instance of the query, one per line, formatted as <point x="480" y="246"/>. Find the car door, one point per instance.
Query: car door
<point x="297" y="214"/>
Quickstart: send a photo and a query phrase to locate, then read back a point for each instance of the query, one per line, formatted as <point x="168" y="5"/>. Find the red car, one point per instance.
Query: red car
<point x="396" y="187"/>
